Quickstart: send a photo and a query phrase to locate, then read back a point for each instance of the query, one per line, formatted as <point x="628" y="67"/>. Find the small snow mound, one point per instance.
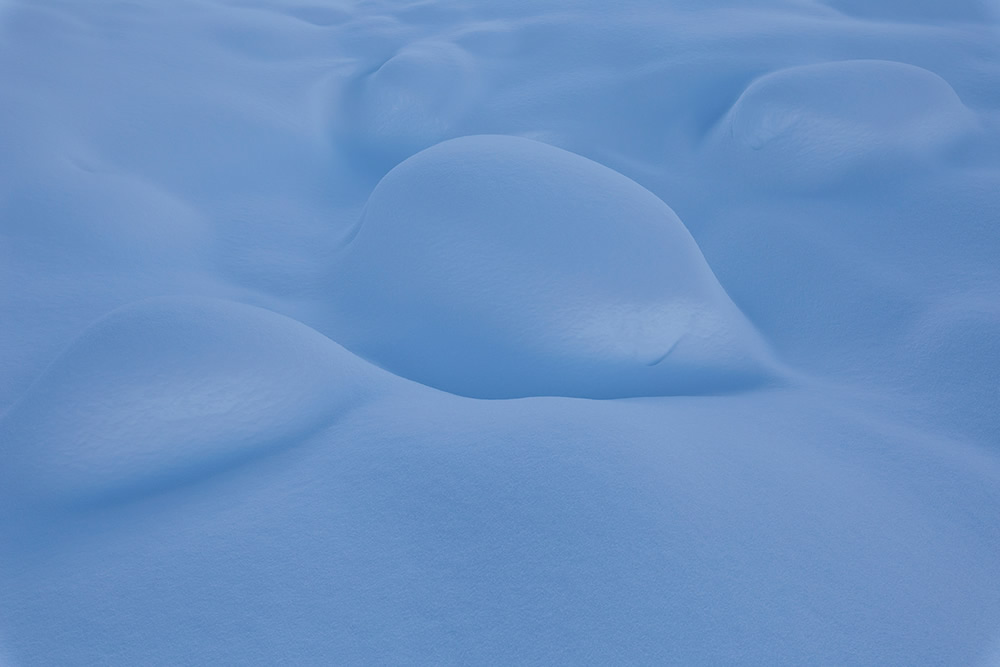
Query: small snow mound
<point x="496" y="267"/>
<point x="169" y="390"/>
<point x="411" y="101"/>
<point x="815" y="124"/>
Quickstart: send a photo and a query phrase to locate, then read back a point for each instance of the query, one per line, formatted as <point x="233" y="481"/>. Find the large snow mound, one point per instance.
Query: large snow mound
<point x="169" y="390"/>
<point x="520" y="269"/>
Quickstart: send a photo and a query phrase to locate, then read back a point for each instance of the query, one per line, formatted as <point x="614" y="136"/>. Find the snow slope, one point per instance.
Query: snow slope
<point x="452" y="332"/>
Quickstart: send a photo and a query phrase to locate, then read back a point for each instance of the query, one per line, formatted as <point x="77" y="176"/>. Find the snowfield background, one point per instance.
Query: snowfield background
<point x="500" y="332"/>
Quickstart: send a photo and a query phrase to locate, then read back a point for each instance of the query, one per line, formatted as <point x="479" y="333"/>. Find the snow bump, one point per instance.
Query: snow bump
<point x="816" y="125"/>
<point x="170" y="390"/>
<point x="498" y="267"/>
<point x="411" y="101"/>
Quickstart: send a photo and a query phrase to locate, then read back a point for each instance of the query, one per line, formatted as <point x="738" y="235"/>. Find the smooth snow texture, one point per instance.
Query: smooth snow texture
<point x="726" y="270"/>
<point x="172" y="389"/>
<point x="519" y="269"/>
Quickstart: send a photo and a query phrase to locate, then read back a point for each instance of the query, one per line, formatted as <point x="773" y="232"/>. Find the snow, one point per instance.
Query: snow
<point x="520" y="269"/>
<point x="450" y="332"/>
<point x="818" y="125"/>
<point x="408" y="103"/>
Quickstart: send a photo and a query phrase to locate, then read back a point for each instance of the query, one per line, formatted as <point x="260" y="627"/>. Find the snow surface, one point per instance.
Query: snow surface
<point x="504" y="332"/>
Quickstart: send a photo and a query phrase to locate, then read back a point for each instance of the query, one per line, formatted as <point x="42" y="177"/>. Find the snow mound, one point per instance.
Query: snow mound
<point x="496" y="267"/>
<point x="816" y="125"/>
<point x="409" y="102"/>
<point x="170" y="390"/>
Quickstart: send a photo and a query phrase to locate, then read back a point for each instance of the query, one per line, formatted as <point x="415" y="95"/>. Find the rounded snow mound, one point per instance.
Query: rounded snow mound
<point x="169" y="390"/>
<point x="816" y="124"/>
<point x="497" y="267"/>
<point x="409" y="102"/>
